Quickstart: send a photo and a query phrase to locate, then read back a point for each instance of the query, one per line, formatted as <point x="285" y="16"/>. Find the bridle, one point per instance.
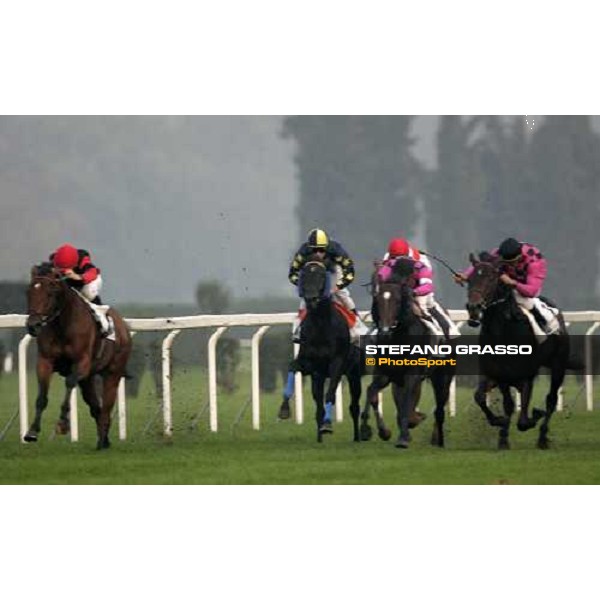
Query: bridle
<point x="54" y="285"/>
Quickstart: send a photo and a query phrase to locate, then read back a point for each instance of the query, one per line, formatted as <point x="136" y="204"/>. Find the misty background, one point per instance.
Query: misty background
<point x="163" y="203"/>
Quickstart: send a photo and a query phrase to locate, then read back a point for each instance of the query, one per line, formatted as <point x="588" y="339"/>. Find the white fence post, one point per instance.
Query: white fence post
<point x="298" y="391"/>
<point x="166" y="382"/>
<point x="256" y="375"/>
<point x="212" y="376"/>
<point x="452" y="393"/>
<point x="589" y="377"/>
<point x="74" y="416"/>
<point x="23" y="401"/>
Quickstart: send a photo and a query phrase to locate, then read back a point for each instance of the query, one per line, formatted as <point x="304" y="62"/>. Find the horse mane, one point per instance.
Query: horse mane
<point x="402" y="270"/>
<point x="44" y="269"/>
<point x="488" y="257"/>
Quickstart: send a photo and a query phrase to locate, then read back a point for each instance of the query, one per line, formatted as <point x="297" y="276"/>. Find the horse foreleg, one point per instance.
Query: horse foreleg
<point x="441" y="389"/>
<point x="557" y="376"/>
<point x="404" y="406"/>
<point x="78" y="372"/>
<point x="379" y="383"/>
<point x="318" y="387"/>
<point x="44" y="374"/>
<point x="335" y="376"/>
<point x="526" y="422"/>
<point x="480" y="397"/>
<point x="354" y="384"/>
<point x="509" y="408"/>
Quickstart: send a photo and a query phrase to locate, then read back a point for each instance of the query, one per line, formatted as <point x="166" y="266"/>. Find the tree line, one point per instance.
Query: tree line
<point x="495" y="177"/>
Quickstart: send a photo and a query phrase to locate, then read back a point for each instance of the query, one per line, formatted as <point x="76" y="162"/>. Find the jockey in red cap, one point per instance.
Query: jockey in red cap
<point x="76" y="265"/>
<point x="435" y="317"/>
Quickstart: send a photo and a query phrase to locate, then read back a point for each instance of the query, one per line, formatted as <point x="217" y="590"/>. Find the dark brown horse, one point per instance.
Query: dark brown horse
<point x="69" y="342"/>
<point x="395" y="314"/>
<point x="492" y="304"/>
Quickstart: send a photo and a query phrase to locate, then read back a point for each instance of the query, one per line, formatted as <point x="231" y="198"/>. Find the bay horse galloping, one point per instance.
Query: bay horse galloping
<point x="398" y="323"/>
<point x="325" y="348"/>
<point x="69" y="343"/>
<point x="492" y="304"/>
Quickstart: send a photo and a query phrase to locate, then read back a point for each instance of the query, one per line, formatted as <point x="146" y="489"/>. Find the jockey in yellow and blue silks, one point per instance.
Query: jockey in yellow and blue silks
<point x="339" y="264"/>
<point x="341" y="269"/>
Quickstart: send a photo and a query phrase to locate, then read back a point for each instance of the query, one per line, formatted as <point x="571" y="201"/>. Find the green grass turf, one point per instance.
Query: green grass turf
<point x="287" y="453"/>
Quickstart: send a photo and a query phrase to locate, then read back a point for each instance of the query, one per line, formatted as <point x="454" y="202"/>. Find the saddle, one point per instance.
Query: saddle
<point x="348" y="315"/>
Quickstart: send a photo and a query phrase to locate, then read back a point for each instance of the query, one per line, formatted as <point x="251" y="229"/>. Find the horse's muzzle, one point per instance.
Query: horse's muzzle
<point x="475" y="312"/>
<point x="34" y="325"/>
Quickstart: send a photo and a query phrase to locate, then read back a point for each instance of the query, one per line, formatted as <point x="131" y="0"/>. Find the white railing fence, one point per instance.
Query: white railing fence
<point x="174" y="326"/>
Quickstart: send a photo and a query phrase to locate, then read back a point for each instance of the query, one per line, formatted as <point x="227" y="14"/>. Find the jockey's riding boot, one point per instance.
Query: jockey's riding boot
<point x="441" y="321"/>
<point x="539" y="318"/>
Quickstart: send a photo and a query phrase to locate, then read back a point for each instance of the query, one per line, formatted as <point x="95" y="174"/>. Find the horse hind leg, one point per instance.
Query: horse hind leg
<point x="556" y="380"/>
<point x="109" y="396"/>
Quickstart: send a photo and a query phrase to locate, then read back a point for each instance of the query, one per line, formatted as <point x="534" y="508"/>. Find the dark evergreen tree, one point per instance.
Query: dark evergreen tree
<point x="358" y="180"/>
<point x="565" y="210"/>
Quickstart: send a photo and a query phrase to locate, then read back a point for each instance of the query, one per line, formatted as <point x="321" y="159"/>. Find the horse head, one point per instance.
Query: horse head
<point x="483" y="288"/>
<point x="44" y="297"/>
<point x="394" y="296"/>
<point x="314" y="282"/>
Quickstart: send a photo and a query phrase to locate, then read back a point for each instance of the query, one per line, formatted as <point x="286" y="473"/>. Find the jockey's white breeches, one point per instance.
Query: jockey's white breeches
<point x="92" y="289"/>
<point x="549" y="313"/>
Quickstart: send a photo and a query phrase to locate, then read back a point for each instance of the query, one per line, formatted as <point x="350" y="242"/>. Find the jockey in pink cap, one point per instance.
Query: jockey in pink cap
<point x="435" y="317"/>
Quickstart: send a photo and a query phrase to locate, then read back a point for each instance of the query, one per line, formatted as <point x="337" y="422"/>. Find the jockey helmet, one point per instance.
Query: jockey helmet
<point x="317" y="238"/>
<point x="398" y="247"/>
<point x="66" y="257"/>
<point x="510" y="249"/>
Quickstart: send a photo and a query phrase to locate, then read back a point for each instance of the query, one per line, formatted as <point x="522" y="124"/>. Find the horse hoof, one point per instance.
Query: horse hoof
<point x="366" y="432"/>
<point x="62" y="428"/>
<point x="543" y="444"/>
<point x="402" y="444"/>
<point x="538" y="414"/>
<point x="526" y="425"/>
<point x="384" y="434"/>
<point x="103" y="445"/>
<point x="416" y="419"/>
<point x="436" y="441"/>
<point x="284" y="411"/>
<point x="30" y="436"/>
<point x="503" y="445"/>
<point x="326" y="427"/>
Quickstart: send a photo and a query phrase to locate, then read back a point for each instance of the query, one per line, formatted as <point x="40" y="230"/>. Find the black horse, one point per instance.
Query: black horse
<point x="492" y="304"/>
<point x="325" y="348"/>
<point x="398" y="323"/>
